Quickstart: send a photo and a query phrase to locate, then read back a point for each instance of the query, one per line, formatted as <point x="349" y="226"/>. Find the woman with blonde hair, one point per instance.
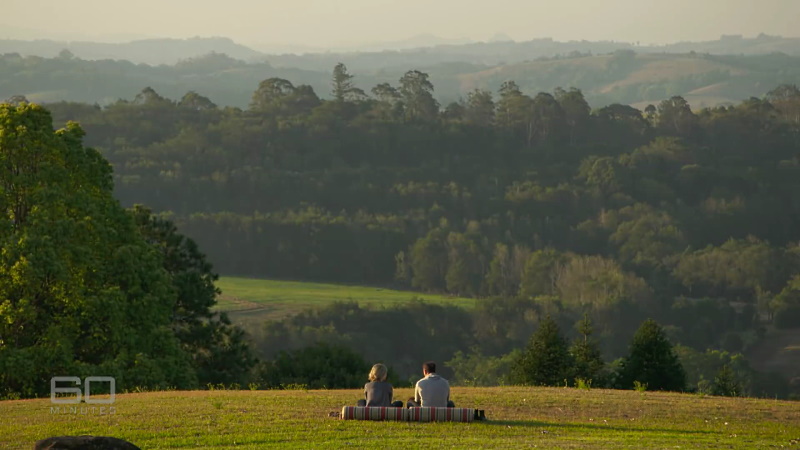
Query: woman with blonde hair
<point x="378" y="391"/>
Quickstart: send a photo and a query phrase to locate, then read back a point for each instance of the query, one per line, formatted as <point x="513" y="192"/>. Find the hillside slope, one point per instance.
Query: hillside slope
<point x="518" y="417"/>
<point x="253" y="301"/>
<point x="625" y="77"/>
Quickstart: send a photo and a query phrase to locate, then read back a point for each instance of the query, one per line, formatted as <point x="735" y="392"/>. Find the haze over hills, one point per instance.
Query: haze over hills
<point x="424" y="40"/>
<point x="620" y="77"/>
<point x="417" y="50"/>
<point x="145" y="51"/>
<point x="227" y="72"/>
<point x="509" y="52"/>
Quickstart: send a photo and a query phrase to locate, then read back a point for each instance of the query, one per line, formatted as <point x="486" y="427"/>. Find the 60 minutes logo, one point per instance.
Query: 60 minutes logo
<point x="85" y="394"/>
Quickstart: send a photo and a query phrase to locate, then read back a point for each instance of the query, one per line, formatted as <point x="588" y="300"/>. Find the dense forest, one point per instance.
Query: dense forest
<point x="539" y="205"/>
<point x="548" y="210"/>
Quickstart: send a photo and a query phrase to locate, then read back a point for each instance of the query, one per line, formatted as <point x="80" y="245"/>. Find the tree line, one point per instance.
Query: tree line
<point x="332" y="347"/>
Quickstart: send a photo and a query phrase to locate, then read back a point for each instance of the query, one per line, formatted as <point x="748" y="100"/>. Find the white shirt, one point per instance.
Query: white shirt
<point x="432" y="390"/>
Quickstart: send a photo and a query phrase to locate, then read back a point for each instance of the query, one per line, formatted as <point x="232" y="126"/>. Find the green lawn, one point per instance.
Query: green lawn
<point x="519" y="417"/>
<point x="272" y="299"/>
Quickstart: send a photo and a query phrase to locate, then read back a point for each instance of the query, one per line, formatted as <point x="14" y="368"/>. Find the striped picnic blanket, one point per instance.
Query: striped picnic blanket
<point x="372" y="413"/>
<point x="408" y="414"/>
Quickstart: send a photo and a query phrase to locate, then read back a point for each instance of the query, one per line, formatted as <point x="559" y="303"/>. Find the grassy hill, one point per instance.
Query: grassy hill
<point x="519" y="417"/>
<point x="250" y="299"/>
<point x="640" y="79"/>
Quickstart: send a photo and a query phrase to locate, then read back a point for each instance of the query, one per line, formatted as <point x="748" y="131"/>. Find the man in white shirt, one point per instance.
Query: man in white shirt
<point x="432" y="390"/>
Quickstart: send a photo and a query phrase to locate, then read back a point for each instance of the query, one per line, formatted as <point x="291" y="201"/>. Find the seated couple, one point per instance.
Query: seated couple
<point x="432" y="390"/>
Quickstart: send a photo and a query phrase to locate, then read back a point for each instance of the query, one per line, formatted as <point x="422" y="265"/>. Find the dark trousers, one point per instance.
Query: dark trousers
<point x="397" y="404"/>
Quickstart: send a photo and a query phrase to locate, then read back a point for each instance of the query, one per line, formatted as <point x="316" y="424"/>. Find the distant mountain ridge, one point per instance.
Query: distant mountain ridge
<point x="145" y="51"/>
<point x="734" y="45"/>
<point x="416" y="51"/>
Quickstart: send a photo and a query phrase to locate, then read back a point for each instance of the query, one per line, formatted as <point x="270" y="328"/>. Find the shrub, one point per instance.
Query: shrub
<point x="321" y="366"/>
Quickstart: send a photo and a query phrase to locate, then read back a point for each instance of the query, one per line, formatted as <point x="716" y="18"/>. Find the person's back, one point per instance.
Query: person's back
<point x="433" y="391"/>
<point x="378" y="393"/>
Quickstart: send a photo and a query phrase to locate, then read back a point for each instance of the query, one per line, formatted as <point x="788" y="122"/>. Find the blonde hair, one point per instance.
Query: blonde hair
<point x="378" y="373"/>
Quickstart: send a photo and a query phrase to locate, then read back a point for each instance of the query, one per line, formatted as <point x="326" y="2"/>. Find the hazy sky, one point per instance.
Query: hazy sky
<point x="332" y="23"/>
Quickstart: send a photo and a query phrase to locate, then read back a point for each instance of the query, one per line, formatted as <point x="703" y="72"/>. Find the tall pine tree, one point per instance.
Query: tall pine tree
<point x="586" y="354"/>
<point x="546" y="360"/>
<point x="652" y="361"/>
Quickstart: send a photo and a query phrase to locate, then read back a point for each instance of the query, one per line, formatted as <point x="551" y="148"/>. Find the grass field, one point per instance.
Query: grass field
<point x="256" y="299"/>
<point x="518" y="418"/>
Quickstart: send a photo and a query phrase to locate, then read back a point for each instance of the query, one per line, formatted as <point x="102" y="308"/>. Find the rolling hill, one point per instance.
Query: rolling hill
<point x="518" y="417"/>
<point x="639" y="79"/>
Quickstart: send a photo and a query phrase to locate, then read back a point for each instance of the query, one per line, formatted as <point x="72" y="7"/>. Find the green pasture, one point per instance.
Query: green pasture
<point x="249" y="298"/>
<point x="519" y="417"/>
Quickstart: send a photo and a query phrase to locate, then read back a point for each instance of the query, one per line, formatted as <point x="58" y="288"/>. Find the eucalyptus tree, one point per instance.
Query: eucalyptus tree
<point x="417" y="94"/>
